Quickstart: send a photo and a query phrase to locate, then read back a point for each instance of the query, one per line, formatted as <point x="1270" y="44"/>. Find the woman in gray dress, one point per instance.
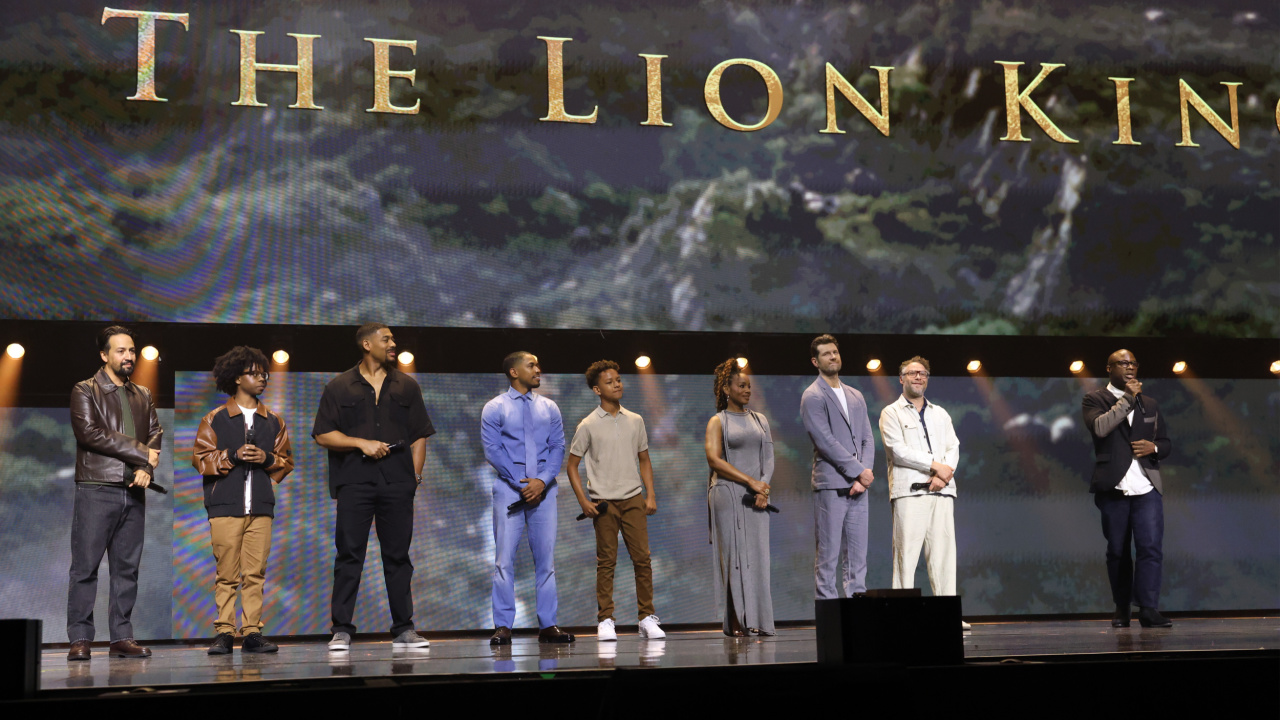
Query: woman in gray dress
<point x="740" y="452"/>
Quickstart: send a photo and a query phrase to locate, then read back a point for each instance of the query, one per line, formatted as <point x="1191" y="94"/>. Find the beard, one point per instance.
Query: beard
<point x="125" y="370"/>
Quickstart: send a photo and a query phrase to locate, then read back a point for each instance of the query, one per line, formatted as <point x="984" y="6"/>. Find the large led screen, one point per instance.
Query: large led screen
<point x="1024" y="168"/>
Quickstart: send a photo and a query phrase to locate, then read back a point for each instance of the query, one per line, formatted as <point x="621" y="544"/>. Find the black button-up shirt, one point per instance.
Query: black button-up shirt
<point x="397" y="415"/>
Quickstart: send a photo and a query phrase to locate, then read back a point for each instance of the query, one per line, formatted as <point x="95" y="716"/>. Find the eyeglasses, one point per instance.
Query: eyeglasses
<point x="263" y="376"/>
<point x="1127" y="363"/>
<point x="923" y="374"/>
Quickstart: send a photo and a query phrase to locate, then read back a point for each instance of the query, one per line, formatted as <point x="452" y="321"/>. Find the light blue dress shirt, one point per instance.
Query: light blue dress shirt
<point x="503" y="432"/>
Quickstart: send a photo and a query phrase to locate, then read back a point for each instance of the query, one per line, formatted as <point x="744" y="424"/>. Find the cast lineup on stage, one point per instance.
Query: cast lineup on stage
<point x="374" y="424"/>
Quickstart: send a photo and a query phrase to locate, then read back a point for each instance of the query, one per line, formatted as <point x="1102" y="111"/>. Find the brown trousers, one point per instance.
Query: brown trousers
<point x="241" y="546"/>
<point x="628" y="517"/>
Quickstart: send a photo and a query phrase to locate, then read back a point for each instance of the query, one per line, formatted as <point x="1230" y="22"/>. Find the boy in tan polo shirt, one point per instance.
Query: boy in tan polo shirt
<point x="616" y="448"/>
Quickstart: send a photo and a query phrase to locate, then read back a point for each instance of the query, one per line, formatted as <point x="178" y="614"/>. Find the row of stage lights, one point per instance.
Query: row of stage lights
<point x="1076" y="367"/>
<point x="644" y="362"/>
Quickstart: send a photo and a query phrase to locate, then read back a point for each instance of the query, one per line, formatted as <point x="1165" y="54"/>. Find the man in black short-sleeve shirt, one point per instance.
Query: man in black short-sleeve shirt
<point x="375" y="426"/>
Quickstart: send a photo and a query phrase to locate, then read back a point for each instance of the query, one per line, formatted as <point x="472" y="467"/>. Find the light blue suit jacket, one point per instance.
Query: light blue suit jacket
<point x="842" y="448"/>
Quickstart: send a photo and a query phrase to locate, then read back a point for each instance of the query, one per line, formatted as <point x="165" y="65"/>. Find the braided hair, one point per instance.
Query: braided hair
<point x="725" y="373"/>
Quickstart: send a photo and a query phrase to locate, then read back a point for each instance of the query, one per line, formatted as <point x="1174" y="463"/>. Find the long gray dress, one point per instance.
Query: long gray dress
<point x="740" y="534"/>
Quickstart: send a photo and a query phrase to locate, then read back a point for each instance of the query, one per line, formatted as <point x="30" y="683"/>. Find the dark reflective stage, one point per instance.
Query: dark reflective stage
<point x="188" y="665"/>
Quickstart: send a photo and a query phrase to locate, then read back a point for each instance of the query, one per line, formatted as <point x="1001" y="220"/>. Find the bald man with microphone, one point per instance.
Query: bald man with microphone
<point x="1130" y="438"/>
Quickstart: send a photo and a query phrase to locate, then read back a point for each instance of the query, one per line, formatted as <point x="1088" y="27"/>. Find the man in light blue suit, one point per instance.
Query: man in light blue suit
<point x="523" y="437"/>
<point x="835" y="416"/>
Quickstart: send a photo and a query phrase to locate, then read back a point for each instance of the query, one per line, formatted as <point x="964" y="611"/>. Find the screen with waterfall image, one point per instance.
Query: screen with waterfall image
<point x="1027" y="530"/>
<point x="484" y="190"/>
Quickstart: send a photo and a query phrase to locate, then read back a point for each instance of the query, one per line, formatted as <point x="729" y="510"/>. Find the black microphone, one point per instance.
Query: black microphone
<point x="750" y="501"/>
<point x="600" y="507"/>
<point x="519" y="504"/>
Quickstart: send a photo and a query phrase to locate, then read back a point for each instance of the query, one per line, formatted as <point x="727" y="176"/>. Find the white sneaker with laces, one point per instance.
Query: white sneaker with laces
<point x="649" y="628"/>
<point x="606" y="632"/>
<point x="341" y="642"/>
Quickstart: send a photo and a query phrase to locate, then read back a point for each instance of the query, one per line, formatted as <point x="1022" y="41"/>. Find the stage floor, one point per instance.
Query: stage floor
<point x="189" y="665"/>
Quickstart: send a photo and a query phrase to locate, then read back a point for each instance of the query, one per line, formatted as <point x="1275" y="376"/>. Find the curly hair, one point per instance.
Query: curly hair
<point x="598" y="367"/>
<point x="228" y="368"/>
<point x="916" y="359"/>
<point x="725" y="373"/>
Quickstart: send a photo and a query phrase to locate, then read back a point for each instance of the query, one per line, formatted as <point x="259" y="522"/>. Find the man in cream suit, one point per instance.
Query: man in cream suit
<point x="921" y="450"/>
<point x="835" y="416"/>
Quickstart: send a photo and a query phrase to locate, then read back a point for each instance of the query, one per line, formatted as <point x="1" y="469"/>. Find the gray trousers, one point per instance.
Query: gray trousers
<point x="840" y="523"/>
<point x="106" y="520"/>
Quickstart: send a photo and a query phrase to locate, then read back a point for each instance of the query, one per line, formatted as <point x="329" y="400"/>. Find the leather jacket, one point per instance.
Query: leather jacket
<point x="103" y="455"/>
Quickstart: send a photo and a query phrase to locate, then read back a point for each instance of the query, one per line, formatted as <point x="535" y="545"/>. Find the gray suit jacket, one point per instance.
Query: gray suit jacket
<point x="842" y="448"/>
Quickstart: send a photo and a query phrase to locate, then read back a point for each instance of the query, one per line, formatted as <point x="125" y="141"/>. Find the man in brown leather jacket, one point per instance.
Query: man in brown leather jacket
<point x="117" y="448"/>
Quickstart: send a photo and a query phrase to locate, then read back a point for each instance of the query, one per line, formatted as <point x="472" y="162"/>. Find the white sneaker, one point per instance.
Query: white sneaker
<point x="965" y="627"/>
<point x="605" y="631"/>
<point x="341" y="642"/>
<point x="649" y="628"/>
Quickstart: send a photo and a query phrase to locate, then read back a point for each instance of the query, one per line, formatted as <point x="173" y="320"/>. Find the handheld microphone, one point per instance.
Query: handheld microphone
<point x="600" y="507"/>
<point x="750" y="501"/>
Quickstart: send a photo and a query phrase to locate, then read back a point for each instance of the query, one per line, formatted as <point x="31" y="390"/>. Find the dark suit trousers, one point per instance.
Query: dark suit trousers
<point x="105" y="520"/>
<point x="358" y="506"/>
<point x="1136" y="520"/>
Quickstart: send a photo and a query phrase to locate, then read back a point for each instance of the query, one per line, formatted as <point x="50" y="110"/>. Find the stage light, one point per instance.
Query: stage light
<point x="1077" y="366"/>
<point x="1179" y="367"/>
<point x="873" y="364"/>
<point x="974" y="366"/>
<point x="16" y="351"/>
<point x="150" y="353"/>
<point x="1275" y="367"/>
<point x="643" y="362"/>
<point x="280" y="357"/>
<point x="742" y="362"/>
<point x="405" y="357"/>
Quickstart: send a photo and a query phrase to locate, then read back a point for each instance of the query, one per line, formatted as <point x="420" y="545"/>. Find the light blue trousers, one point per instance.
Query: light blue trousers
<point x="540" y="521"/>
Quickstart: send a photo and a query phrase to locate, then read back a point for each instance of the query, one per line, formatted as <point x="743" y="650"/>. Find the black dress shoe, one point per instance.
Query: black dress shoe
<point x="1121" y="617"/>
<point x="222" y="644"/>
<point x="1151" y="618"/>
<point x="255" y="643"/>
<point x="501" y="636"/>
<point x="554" y="634"/>
<point x="79" y="650"/>
<point x="128" y="649"/>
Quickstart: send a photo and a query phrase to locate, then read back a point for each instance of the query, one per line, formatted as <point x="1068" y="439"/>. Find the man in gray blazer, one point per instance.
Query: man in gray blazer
<point x="835" y="416"/>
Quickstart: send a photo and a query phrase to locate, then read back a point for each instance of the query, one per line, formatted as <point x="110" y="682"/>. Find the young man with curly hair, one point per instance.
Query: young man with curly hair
<point x="613" y="441"/>
<point x="241" y="448"/>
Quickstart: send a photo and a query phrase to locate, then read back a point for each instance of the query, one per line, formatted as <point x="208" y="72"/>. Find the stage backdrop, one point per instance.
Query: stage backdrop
<point x="1028" y="534"/>
<point x="476" y="212"/>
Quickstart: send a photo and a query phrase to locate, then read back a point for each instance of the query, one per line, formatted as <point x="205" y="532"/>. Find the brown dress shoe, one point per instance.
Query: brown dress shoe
<point x="129" y="649"/>
<point x="501" y="636"/>
<point x="79" y="650"/>
<point x="554" y="634"/>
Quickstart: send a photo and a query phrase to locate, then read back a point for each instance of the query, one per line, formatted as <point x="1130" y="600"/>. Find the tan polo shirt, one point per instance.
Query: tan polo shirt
<point x="609" y="446"/>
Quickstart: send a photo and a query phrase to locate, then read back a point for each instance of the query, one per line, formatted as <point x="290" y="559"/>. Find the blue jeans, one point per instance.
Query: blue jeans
<point x="540" y="521"/>
<point x="106" y="520"/>
<point x="1136" y="520"/>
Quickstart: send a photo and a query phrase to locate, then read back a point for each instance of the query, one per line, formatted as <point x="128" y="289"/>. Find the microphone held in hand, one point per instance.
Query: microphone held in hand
<point x="600" y="508"/>
<point x="750" y="501"/>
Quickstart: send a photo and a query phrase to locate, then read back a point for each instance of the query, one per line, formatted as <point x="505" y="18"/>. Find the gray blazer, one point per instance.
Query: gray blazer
<point x="842" y="448"/>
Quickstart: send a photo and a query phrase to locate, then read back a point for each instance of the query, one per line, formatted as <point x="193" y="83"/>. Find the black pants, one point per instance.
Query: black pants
<point x="358" y="506"/>
<point x="111" y="520"/>
<point x="1136" y="520"/>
